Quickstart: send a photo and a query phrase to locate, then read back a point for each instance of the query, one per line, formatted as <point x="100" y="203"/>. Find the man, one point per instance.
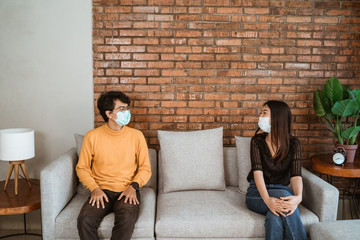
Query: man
<point x="113" y="164"/>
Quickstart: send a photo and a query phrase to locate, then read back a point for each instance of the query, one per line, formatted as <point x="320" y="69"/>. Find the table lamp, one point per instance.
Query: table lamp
<point x="16" y="146"/>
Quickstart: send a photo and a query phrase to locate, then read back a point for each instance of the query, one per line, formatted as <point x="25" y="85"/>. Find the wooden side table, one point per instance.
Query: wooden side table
<point x="323" y="164"/>
<point x="27" y="200"/>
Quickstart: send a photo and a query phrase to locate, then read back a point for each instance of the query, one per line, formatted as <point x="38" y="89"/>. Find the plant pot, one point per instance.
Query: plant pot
<point x="350" y="151"/>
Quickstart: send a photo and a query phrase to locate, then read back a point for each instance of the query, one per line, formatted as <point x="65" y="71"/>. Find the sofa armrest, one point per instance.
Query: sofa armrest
<point x="58" y="183"/>
<point x="320" y="197"/>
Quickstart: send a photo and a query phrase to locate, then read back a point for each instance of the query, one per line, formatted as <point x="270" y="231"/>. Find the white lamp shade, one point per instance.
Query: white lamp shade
<point x="16" y="144"/>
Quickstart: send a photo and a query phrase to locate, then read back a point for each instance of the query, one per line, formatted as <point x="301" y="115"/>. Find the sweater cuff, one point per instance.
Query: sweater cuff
<point x="93" y="187"/>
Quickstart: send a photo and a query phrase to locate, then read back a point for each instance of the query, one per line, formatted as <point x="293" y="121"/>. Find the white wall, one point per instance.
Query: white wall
<point x="45" y="78"/>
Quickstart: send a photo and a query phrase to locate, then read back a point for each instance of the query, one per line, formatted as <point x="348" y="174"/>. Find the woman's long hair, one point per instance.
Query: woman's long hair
<point x="280" y="128"/>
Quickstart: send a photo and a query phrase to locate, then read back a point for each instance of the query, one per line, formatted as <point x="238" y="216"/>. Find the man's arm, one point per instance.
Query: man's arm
<point x="144" y="171"/>
<point x="83" y="167"/>
<point x="83" y="170"/>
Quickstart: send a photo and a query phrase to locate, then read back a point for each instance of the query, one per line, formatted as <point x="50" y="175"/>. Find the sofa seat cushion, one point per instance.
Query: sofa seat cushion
<point x="66" y="222"/>
<point x="215" y="214"/>
<point x="343" y="229"/>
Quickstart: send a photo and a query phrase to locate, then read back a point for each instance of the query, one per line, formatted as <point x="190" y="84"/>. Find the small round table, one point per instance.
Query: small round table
<point x="323" y="164"/>
<point x="27" y="200"/>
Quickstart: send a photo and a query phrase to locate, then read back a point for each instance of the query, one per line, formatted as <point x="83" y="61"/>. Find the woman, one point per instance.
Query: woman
<point x="275" y="162"/>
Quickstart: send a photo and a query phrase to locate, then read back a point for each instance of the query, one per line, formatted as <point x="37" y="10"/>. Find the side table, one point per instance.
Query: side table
<point x="26" y="201"/>
<point x="323" y="164"/>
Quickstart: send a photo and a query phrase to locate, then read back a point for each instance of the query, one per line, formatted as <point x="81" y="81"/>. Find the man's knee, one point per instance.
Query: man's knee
<point x="85" y="221"/>
<point x="127" y="214"/>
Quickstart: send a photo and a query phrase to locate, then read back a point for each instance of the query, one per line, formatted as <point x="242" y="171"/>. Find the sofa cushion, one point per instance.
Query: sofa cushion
<point x="215" y="214"/>
<point x="78" y="140"/>
<point x="66" y="222"/>
<point x="81" y="189"/>
<point x="243" y="160"/>
<point x="191" y="160"/>
<point x="343" y="229"/>
<point x="231" y="168"/>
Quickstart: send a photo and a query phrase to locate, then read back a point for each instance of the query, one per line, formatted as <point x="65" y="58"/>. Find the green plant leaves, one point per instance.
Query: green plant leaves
<point x="357" y="95"/>
<point x="321" y="105"/>
<point x="333" y="90"/>
<point x="350" y="132"/>
<point x="345" y="108"/>
<point x="340" y="108"/>
<point x="346" y="92"/>
<point x="317" y="104"/>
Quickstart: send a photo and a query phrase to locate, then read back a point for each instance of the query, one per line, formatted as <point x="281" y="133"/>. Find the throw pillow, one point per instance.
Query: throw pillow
<point x="243" y="160"/>
<point x="81" y="189"/>
<point x="78" y="140"/>
<point x="191" y="160"/>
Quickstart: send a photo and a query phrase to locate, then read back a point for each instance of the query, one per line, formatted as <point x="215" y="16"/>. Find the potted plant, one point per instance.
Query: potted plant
<point x="340" y="108"/>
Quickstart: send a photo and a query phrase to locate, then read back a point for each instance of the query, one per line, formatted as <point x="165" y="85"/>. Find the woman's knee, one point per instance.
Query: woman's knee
<point x="254" y="202"/>
<point x="271" y="220"/>
<point x="277" y="193"/>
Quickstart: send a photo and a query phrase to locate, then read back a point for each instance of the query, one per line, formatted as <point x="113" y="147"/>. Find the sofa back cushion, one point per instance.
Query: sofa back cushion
<point x="243" y="160"/>
<point x="152" y="157"/>
<point x="191" y="160"/>
<point x="231" y="167"/>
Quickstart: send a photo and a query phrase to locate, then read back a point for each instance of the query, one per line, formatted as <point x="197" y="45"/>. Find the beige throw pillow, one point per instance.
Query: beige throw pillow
<point x="243" y="160"/>
<point x="191" y="160"/>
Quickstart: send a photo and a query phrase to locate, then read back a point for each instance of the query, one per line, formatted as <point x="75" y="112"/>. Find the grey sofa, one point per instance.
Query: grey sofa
<point x="224" y="215"/>
<point x="194" y="214"/>
<point x="62" y="198"/>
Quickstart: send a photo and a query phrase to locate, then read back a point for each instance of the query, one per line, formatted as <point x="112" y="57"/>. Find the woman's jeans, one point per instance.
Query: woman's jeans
<point x="289" y="227"/>
<point x="126" y="215"/>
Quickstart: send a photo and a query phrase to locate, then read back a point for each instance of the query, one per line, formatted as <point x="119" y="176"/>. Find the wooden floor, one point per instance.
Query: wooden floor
<point x="4" y="232"/>
<point x="345" y="205"/>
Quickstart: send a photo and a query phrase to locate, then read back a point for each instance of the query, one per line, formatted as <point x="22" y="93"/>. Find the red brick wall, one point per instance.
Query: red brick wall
<point x="199" y="64"/>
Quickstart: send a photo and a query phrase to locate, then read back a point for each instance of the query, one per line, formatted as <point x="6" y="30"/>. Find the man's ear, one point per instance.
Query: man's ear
<point x="108" y="113"/>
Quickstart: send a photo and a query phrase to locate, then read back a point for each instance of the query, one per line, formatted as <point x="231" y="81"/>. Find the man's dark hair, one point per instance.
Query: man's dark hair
<point x="106" y="102"/>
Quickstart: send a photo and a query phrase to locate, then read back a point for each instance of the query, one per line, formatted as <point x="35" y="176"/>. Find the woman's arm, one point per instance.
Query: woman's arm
<point x="275" y="205"/>
<point x="292" y="202"/>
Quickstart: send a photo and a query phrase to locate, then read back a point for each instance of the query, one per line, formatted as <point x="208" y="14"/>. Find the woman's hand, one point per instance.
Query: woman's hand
<point x="98" y="196"/>
<point x="275" y="205"/>
<point x="290" y="203"/>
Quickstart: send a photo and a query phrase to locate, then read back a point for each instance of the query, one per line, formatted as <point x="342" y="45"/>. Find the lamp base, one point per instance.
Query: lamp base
<point x="14" y="165"/>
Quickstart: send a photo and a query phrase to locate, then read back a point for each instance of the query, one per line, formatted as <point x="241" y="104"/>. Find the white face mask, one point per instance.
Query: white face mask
<point x="123" y="118"/>
<point x="264" y="124"/>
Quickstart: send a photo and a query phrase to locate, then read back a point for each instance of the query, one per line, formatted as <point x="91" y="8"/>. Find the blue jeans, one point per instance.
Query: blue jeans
<point x="289" y="227"/>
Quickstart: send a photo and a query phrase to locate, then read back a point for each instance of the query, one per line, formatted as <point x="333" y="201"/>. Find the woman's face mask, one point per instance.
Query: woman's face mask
<point x="123" y="118"/>
<point x="264" y="124"/>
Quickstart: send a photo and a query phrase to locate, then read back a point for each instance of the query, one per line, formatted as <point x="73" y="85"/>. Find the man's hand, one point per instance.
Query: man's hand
<point x="290" y="203"/>
<point x="275" y="206"/>
<point x="129" y="194"/>
<point x="98" y="196"/>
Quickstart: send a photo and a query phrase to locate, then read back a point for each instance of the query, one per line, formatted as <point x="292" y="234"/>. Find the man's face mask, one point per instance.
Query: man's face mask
<point x="123" y="118"/>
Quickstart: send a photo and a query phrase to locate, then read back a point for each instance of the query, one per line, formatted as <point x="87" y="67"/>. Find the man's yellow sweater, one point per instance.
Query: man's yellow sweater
<point x="112" y="160"/>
